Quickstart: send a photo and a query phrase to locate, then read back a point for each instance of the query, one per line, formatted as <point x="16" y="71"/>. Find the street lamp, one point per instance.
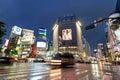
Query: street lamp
<point x="113" y="24"/>
<point x="95" y="51"/>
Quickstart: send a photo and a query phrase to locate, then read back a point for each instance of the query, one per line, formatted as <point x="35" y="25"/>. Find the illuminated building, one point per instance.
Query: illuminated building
<point x="86" y="48"/>
<point x="34" y="51"/>
<point x="113" y="36"/>
<point x="14" y="40"/>
<point x="14" y="37"/>
<point x="100" y="50"/>
<point x="41" y="42"/>
<point x="26" y="42"/>
<point x="67" y="35"/>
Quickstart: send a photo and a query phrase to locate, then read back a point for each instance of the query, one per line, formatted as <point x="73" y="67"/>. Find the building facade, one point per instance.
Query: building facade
<point x="26" y="42"/>
<point x="67" y="35"/>
<point x="42" y="43"/>
<point x="114" y="32"/>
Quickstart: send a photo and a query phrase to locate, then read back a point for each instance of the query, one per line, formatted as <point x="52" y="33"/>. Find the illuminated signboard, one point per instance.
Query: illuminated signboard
<point x="42" y="33"/>
<point x="41" y="44"/>
<point x="27" y="35"/>
<point x="66" y="34"/>
<point x="117" y="33"/>
<point x="27" y="38"/>
<point x="6" y="42"/>
<point x="17" y="30"/>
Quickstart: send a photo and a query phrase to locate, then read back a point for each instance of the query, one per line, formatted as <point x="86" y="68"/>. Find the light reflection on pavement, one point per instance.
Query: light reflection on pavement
<point x="43" y="71"/>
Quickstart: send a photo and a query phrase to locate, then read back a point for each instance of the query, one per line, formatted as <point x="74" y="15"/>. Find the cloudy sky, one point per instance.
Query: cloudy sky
<point x="32" y="14"/>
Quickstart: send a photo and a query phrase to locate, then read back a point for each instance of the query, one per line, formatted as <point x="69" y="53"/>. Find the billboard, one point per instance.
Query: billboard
<point x="28" y="36"/>
<point x="117" y="35"/>
<point x="42" y="33"/>
<point x="66" y="34"/>
<point x="41" y="44"/>
<point x="6" y="42"/>
<point x="16" y="30"/>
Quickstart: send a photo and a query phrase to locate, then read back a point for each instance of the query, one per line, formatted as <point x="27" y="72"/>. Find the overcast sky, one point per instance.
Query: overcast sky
<point x="32" y="14"/>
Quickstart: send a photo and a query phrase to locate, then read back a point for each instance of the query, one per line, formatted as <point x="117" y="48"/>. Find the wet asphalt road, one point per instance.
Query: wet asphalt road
<point x="43" y="71"/>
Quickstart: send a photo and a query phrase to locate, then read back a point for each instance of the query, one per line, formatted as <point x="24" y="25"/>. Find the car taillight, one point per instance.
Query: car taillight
<point x="11" y="60"/>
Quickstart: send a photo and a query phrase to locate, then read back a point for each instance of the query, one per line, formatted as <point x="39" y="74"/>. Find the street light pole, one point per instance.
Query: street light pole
<point x="113" y="25"/>
<point x="113" y="21"/>
<point x="95" y="51"/>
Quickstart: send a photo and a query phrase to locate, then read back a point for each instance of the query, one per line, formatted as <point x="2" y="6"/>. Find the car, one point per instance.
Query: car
<point x="94" y="61"/>
<point x="39" y="60"/>
<point x="64" y="59"/>
<point x="6" y="60"/>
<point x="87" y="60"/>
<point x="80" y="61"/>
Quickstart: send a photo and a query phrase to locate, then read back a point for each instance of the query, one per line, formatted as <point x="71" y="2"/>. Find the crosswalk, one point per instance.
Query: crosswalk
<point x="24" y="72"/>
<point x="42" y="71"/>
<point x="39" y="71"/>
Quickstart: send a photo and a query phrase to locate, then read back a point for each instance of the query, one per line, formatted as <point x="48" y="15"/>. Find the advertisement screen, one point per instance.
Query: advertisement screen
<point x="6" y="42"/>
<point x="66" y="34"/>
<point x="41" y="44"/>
<point x="17" y="30"/>
<point x="27" y="38"/>
<point x="117" y="35"/>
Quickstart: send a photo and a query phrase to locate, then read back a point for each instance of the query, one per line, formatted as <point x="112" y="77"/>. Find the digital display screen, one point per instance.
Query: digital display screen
<point x="17" y="30"/>
<point x="41" y="44"/>
<point x="66" y="34"/>
<point x="117" y="34"/>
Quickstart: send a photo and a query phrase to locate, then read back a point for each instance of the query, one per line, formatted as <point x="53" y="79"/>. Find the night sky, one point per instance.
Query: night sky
<point x="32" y="14"/>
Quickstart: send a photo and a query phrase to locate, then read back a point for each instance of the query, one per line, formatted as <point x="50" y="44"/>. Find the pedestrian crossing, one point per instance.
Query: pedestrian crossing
<point x="23" y="71"/>
<point x="43" y="71"/>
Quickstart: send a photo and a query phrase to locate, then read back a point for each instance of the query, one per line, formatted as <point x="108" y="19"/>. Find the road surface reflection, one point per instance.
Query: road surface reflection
<point x="43" y="71"/>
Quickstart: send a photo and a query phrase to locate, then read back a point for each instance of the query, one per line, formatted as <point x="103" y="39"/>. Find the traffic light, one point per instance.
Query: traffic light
<point x="90" y="27"/>
<point x="94" y="24"/>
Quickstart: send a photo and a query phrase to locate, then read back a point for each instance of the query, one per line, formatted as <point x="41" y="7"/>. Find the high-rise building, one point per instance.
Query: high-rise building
<point x="67" y="35"/>
<point x="26" y="42"/>
<point x="41" y="42"/>
<point x="113" y="36"/>
<point x="14" y="37"/>
<point x="86" y="47"/>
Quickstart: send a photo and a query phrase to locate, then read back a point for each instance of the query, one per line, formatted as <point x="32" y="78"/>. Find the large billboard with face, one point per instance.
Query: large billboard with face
<point x="66" y="34"/>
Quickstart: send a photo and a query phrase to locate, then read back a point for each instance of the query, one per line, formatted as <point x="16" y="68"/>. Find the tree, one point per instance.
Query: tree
<point x="11" y="52"/>
<point x="2" y="31"/>
<point x="7" y="52"/>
